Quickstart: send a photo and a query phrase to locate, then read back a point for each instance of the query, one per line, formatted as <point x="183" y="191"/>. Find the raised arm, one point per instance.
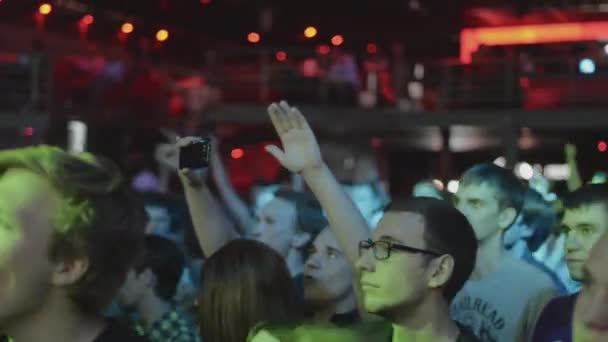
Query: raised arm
<point x="574" y="179"/>
<point x="212" y="228"/>
<point x="301" y="154"/>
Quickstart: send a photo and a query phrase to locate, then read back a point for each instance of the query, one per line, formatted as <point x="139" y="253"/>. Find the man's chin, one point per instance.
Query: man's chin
<point x="373" y="307"/>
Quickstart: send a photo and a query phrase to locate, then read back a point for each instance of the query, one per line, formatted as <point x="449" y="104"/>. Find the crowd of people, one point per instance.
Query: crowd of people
<point x="84" y="258"/>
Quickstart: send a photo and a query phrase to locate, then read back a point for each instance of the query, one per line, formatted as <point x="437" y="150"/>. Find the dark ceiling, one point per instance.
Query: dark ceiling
<point x="430" y="26"/>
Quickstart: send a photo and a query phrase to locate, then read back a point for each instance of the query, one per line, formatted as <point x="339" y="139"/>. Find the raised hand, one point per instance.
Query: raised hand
<point x="300" y="148"/>
<point x="570" y="151"/>
<point x="191" y="178"/>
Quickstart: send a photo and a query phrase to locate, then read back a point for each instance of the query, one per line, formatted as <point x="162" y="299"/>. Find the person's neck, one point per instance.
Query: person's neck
<point x="294" y="261"/>
<point x="55" y="320"/>
<point x="325" y="312"/>
<point x="151" y="308"/>
<point x="427" y="322"/>
<point x="488" y="256"/>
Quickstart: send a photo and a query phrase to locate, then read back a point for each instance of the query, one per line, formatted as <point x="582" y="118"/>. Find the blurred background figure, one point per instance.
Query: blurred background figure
<point x="342" y="79"/>
<point x="534" y="225"/>
<point x="150" y="292"/>
<point x="329" y="293"/>
<point x="427" y="188"/>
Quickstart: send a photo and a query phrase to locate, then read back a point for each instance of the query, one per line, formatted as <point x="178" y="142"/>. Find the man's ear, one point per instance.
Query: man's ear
<point x="506" y="218"/>
<point x="441" y="270"/>
<point x="69" y="271"/>
<point x="300" y="240"/>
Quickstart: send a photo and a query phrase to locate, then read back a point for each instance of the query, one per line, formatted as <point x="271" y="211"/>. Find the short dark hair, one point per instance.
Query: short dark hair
<point x="586" y="195"/>
<point x="309" y="213"/>
<point x="244" y="283"/>
<point x="509" y="190"/>
<point x="447" y="231"/>
<point x="180" y="221"/>
<point x="100" y="218"/>
<point x="165" y="260"/>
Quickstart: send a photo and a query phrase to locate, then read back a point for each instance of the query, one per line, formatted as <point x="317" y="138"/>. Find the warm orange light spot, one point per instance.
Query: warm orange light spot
<point x="472" y="39"/>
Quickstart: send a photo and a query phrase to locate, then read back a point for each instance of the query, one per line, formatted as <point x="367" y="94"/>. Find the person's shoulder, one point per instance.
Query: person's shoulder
<point x="556" y="318"/>
<point x="563" y="302"/>
<point x="560" y="305"/>
<point x="521" y="270"/>
<point x="380" y="330"/>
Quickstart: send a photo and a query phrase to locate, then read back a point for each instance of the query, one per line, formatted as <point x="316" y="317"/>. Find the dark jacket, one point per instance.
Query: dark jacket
<point x="555" y="323"/>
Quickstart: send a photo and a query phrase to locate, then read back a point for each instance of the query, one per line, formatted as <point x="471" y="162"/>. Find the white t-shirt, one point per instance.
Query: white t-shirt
<point x="504" y="306"/>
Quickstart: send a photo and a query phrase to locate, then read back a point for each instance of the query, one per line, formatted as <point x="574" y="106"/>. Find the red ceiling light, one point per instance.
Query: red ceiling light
<point x="372" y="48"/>
<point x="376" y="142"/>
<point x="237" y="153"/>
<point x="337" y="40"/>
<point x="472" y="38"/>
<point x="281" y="56"/>
<point x="88" y="19"/>
<point x="253" y="37"/>
<point x="205" y="2"/>
<point x="28" y="131"/>
<point x="323" y="49"/>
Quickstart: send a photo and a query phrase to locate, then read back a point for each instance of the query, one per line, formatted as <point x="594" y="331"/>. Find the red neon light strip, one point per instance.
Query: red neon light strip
<point x="472" y="39"/>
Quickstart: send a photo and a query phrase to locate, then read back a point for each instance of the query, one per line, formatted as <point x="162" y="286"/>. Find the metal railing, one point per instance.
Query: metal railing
<point x="24" y="82"/>
<point x="304" y="76"/>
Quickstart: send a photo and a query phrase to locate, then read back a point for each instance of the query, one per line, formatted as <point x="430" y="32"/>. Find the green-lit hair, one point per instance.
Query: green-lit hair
<point x="306" y="332"/>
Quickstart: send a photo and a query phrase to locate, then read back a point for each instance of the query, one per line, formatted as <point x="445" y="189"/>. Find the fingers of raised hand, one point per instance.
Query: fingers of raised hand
<point x="284" y="117"/>
<point x="277" y="118"/>
<point x="299" y="119"/>
<point x="181" y="142"/>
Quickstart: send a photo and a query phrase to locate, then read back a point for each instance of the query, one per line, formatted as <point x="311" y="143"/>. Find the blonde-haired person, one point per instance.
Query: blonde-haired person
<point x="69" y="231"/>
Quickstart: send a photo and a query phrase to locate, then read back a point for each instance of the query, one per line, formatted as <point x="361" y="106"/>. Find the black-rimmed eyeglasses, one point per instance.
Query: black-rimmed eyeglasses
<point x="382" y="249"/>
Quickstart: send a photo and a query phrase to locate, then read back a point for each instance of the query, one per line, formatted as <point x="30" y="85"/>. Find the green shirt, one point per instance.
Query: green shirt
<point x="382" y="331"/>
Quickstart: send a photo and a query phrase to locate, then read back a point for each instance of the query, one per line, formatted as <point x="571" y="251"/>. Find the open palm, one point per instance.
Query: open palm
<point x="300" y="147"/>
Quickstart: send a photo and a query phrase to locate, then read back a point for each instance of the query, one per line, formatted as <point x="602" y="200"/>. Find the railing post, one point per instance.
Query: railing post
<point x="35" y="69"/>
<point x="265" y="74"/>
<point x="510" y="142"/>
<point x="445" y="90"/>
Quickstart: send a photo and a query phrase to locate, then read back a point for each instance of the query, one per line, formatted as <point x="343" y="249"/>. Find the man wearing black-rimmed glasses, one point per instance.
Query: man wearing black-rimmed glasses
<point x="421" y="254"/>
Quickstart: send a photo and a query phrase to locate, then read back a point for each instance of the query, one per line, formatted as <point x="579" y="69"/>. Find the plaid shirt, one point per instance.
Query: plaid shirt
<point x="173" y="326"/>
